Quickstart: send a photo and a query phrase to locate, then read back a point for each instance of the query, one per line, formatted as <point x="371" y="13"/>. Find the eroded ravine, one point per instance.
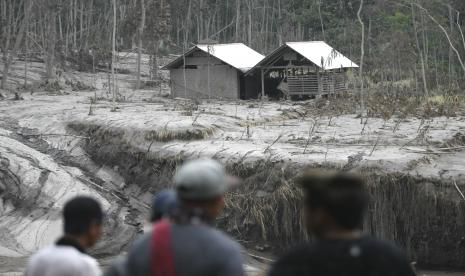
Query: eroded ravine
<point x="423" y="215"/>
<point x="35" y="182"/>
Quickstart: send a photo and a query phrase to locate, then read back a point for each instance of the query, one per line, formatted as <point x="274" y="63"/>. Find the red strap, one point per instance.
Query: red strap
<point x="162" y="263"/>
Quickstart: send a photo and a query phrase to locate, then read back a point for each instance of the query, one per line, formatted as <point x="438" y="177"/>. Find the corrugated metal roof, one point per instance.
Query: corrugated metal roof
<point x="238" y="55"/>
<point x="321" y="54"/>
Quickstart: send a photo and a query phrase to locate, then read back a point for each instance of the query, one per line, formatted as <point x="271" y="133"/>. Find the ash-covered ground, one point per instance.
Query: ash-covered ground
<point x="54" y="145"/>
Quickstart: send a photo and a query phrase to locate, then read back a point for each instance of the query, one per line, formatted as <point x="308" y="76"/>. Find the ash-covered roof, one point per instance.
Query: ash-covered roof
<point x="322" y="55"/>
<point x="317" y="52"/>
<point x="238" y="55"/>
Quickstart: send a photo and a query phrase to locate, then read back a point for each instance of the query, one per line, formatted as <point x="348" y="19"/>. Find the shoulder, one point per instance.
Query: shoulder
<point x="39" y="257"/>
<point x="214" y="242"/>
<point x="204" y="235"/>
<point x="141" y="242"/>
<point x="139" y="255"/>
<point x="377" y="246"/>
<point x="298" y="254"/>
<point x="64" y="258"/>
<point x="228" y="254"/>
<point x="295" y="258"/>
<point x="52" y="253"/>
<point x="224" y="241"/>
<point x="118" y="267"/>
<point x="385" y="254"/>
<point x="80" y="262"/>
<point x="92" y="265"/>
<point x="42" y="252"/>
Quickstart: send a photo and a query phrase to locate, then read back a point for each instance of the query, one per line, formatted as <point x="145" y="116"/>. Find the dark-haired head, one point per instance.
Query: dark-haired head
<point x="83" y="218"/>
<point x="163" y="205"/>
<point x="333" y="200"/>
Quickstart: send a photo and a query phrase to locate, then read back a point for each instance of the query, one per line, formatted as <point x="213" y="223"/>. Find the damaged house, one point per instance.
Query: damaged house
<point x="215" y="71"/>
<point x="302" y="69"/>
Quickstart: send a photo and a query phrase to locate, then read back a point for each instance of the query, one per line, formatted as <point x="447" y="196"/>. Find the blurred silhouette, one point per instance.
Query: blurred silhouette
<point x="163" y="205"/>
<point x="82" y="228"/>
<point x="334" y="206"/>
<point x="188" y="244"/>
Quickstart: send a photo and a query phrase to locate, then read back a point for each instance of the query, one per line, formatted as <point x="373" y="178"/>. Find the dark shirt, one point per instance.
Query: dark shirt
<point x="362" y="257"/>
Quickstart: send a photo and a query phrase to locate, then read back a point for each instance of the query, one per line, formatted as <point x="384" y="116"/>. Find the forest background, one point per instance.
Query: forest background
<point x="415" y="43"/>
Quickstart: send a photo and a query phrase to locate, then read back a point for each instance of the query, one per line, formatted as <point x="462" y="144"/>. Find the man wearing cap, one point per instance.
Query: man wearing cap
<point x="188" y="244"/>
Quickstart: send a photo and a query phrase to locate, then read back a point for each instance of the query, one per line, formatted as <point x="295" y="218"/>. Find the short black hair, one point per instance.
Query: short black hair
<point x="79" y="213"/>
<point x="342" y="195"/>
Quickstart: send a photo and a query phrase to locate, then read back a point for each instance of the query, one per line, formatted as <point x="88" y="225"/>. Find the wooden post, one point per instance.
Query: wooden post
<point x="318" y="80"/>
<point x="287" y="79"/>
<point x="263" y="83"/>
<point x="333" y="82"/>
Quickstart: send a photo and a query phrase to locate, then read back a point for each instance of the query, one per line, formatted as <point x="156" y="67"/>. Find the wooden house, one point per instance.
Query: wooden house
<point x="215" y="71"/>
<point x="298" y="69"/>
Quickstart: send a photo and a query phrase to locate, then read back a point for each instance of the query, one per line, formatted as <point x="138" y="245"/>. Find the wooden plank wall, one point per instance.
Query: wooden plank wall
<point x="328" y="83"/>
<point x="303" y="85"/>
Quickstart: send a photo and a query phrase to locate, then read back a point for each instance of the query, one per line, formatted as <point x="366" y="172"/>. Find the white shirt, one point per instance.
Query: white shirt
<point x="59" y="260"/>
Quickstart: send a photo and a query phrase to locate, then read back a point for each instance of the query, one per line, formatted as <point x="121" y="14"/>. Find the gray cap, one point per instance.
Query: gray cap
<point x="201" y="179"/>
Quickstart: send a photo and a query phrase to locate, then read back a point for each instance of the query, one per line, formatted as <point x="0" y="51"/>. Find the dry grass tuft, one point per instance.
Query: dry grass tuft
<point x="166" y="135"/>
<point x="389" y="100"/>
<point x="457" y="141"/>
<point x="267" y="207"/>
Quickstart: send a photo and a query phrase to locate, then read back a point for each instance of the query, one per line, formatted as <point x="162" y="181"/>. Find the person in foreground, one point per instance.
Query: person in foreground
<point x="82" y="228"/>
<point x="334" y="209"/>
<point x="188" y="244"/>
<point x="163" y="205"/>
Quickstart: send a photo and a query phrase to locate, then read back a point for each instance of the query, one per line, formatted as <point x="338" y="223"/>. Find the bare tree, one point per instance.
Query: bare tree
<point x="26" y="15"/>
<point x="420" y="52"/>
<point x="249" y="24"/>
<point x="321" y="20"/>
<point x="113" y="56"/>
<point x="280" y="28"/>
<point x="51" y="40"/>
<point x="139" y="48"/>
<point x="449" y="40"/>
<point x="362" y="55"/>
<point x="460" y="29"/>
<point x="451" y="55"/>
<point x="8" y="56"/>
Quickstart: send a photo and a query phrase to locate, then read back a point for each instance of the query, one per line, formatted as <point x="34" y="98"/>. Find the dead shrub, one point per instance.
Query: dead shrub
<point x="79" y="86"/>
<point x="458" y="140"/>
<point x="51" y="86"/>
